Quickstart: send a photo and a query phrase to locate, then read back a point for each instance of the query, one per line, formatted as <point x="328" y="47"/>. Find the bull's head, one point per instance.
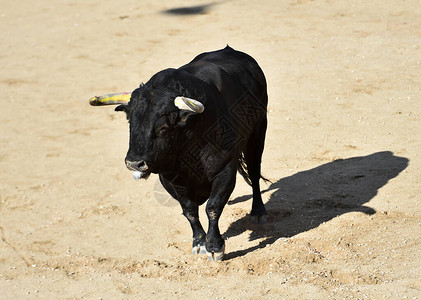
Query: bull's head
<point x="159" y="120"/>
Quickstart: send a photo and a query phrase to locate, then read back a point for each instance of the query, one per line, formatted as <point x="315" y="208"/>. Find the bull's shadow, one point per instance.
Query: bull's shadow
<point x="307" y="199"/>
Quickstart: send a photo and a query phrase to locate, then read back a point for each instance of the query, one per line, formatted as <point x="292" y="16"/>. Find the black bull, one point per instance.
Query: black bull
<point x="196" y="126"/>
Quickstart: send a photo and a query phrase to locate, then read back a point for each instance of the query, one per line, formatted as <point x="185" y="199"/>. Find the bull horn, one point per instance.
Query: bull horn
<point x="189" y="104"/>
<point x="110" y="99"/>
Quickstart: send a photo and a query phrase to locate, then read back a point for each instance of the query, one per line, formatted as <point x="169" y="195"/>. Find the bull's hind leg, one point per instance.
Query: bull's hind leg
<point x="253" y="157"/>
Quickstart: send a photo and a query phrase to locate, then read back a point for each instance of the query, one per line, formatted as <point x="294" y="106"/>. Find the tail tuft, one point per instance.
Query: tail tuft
<point x="242" y="169"/>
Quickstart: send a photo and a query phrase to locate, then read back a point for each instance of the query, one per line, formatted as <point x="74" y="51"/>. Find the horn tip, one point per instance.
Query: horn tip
<point x="94" y="101"/>
<point x="94" y="98"/>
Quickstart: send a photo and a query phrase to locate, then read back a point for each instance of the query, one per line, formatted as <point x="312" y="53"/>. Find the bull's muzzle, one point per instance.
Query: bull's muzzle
<point x="140" y="169"/>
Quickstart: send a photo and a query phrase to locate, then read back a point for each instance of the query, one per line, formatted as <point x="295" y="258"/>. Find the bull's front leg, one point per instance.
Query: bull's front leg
<point x="191" y="212"/>
<point x="178" y="190"/>
<point x="222" y="187"/>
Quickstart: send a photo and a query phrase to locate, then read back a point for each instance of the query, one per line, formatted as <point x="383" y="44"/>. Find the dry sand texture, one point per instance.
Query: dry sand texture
<point x="343" y="151"/>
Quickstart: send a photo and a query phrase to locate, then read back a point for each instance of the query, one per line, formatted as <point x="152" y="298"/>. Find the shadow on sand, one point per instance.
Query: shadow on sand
<point x="189" y="10"/>
<point x="305" y="200"/>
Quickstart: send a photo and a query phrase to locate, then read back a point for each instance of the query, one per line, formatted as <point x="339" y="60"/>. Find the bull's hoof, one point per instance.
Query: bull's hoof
<point x="217" y="256"/>
<point x="259" y="219"/>
<point x="199" y="249"/>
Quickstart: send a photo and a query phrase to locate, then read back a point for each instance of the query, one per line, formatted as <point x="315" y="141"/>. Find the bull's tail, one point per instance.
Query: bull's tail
<point x="243" y="170"/>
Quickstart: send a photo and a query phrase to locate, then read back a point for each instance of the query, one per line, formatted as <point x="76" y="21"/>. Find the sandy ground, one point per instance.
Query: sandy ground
<point x="343" y="152"/>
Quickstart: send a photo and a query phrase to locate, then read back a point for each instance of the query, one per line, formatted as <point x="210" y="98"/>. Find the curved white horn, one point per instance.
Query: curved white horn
<point x="192" y="105"/>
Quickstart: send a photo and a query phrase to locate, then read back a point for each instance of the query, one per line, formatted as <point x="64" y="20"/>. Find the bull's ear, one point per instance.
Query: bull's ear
<point x="122" y="107"/>
<point x="125" y="108"/>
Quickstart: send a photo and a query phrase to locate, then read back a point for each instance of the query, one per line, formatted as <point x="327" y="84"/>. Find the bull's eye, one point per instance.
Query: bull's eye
<point x="163" y="130"/>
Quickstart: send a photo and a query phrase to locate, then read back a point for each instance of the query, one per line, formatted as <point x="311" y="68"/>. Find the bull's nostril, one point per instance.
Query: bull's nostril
<point x="137" y="165"/>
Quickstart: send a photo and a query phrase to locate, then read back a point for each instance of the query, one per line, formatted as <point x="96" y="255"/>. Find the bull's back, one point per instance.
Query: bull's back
<point x="232" y="72"/>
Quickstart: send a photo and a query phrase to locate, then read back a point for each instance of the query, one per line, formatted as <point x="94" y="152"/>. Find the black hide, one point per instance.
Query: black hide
<point x="197" y="155"/>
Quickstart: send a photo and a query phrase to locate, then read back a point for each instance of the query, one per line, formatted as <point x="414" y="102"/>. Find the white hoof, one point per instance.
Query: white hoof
<point x="214" y="256"/>
<point x="199" y="249"/>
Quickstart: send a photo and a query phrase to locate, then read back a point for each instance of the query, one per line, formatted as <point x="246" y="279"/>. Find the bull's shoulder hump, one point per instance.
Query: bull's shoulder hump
<point x="221" y="56"/>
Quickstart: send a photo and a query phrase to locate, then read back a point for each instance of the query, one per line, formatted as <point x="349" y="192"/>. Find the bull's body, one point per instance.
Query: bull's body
<point x="197" y="155"/>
